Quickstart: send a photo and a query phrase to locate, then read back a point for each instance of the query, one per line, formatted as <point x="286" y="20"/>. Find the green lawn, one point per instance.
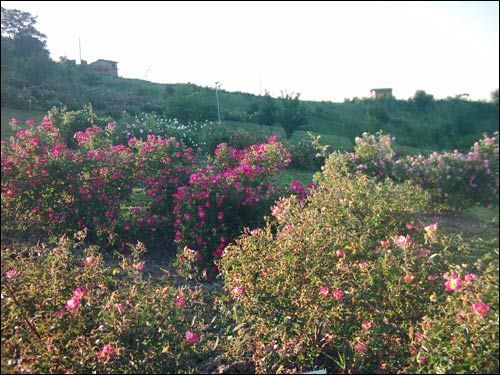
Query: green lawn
<point x="336" y="142"/>
<point x="477" y="221"/>
<point x="288" y="175"/>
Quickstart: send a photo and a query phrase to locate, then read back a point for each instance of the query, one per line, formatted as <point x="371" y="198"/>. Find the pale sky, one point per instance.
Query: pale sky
<point x="325" y="51"/>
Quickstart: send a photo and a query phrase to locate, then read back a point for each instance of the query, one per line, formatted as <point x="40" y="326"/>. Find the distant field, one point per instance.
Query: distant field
<point x="335" y="141"/>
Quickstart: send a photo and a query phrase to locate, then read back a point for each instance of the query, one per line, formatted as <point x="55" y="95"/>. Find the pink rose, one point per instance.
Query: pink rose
<point x="324" y="291"/>
<point x="338" y="294"/>
<point x="11" y="273"/>
<point x="180" y="302"/>
<point x="89" y="261"/>
<point x="72" y="303"/>
<point x="423" y="253"/>
<point x="410" y="226"/>
<point x="431" y="228"/>
<point x="340" y="253"/>
<point x="79" y="293"/>
<point x="106" y="352"/>
<point x="404" y="241"/>
<point x="367" y="325"/>
<point x="138" y="266"/>
<point x="480" y="308"/>
<point x="385" y="243"/>
<point x="361" y="347"/>
<point x="121" y="307"/>
<point x="238" y="290"/>
<point x="453" y="283"/>
<point x="469" y="277"/>
<point x="192" y="337"/>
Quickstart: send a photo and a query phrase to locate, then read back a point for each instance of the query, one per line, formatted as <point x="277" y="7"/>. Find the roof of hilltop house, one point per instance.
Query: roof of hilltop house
<point x="111" y="61"/>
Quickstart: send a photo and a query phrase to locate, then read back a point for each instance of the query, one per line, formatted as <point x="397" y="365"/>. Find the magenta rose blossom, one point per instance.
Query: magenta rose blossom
<point x="367" y="325"/>
<point x="106" y="352"/>
<point x="338" y="294"/>
<point x="11" y="273"/>
<point x="72" y="303"/>
<point x="480" y="308"/>
<point x="79" y="293"/>
<point x="324" y="291"/>
<point x="89" y="261"/>
<point x="469" y="277"/>
<point x="238" y="290"/>
<point x="180" y="302"/>
<point x="192" y="337"/>
<point x="361" y="347"/>
<point x="138" y="266"/>
<point x="453" y="283"/>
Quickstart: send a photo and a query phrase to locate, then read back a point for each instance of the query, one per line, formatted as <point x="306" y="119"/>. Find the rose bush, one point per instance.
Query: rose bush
<point x="345" y="278"/>
<point x="63" y="313"/>
<point x="47" y="186"/>
<point x="161" y="166"/>
<point x="219" y="200"/>
<point x="454" y="179"/>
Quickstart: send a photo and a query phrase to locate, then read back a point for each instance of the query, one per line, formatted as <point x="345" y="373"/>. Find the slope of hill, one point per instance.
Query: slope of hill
<point x="441" y="124"/>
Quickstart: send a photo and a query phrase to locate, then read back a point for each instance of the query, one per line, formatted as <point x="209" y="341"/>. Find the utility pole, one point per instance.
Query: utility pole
<point x="260" y="83"/>
<point x="80" y="50"/>
<point x="217" y="86"/>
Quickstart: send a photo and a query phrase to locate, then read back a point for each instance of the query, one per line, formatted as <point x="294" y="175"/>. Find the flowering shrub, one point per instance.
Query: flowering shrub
<point x="345" y="278"/>
<point x="202" y="136"/>
<point x="103" y="180"/>
<point x="34" y="167"/>
<point x="373" y="148"/>
<point x="48" y="186"/>
<point x="219" y="200"/>
<point x="454" y="179"/>
<point x="63" y="315"/>
<point x="162" y="165"/>
<point x="460" y="334"/>
<point x="459" y="180"/>
<point x="305" y="156"/>
<point x="241" y="139"/>
<point x="70" y="122"/>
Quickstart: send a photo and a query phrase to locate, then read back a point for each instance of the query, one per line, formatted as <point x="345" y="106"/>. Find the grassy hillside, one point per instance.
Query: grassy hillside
<point x="441" y="124"/>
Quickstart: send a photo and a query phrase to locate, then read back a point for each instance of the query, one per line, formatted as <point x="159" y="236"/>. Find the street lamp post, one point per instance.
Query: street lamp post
<point x="217" y="86"/>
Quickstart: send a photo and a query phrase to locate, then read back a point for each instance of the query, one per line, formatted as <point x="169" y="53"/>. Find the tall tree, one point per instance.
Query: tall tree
<point x="292" y="113"/>
<point x="20" y="35"/>
<point x="422" y="100"/>
<point x="266" y="112"/>
<point x="16" y="23"/>
<point x="494" y="96"/>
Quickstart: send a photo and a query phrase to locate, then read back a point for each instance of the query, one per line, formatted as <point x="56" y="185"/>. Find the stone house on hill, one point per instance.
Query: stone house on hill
<point x="381" y="93"/>
<point x="102" y="66"/>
